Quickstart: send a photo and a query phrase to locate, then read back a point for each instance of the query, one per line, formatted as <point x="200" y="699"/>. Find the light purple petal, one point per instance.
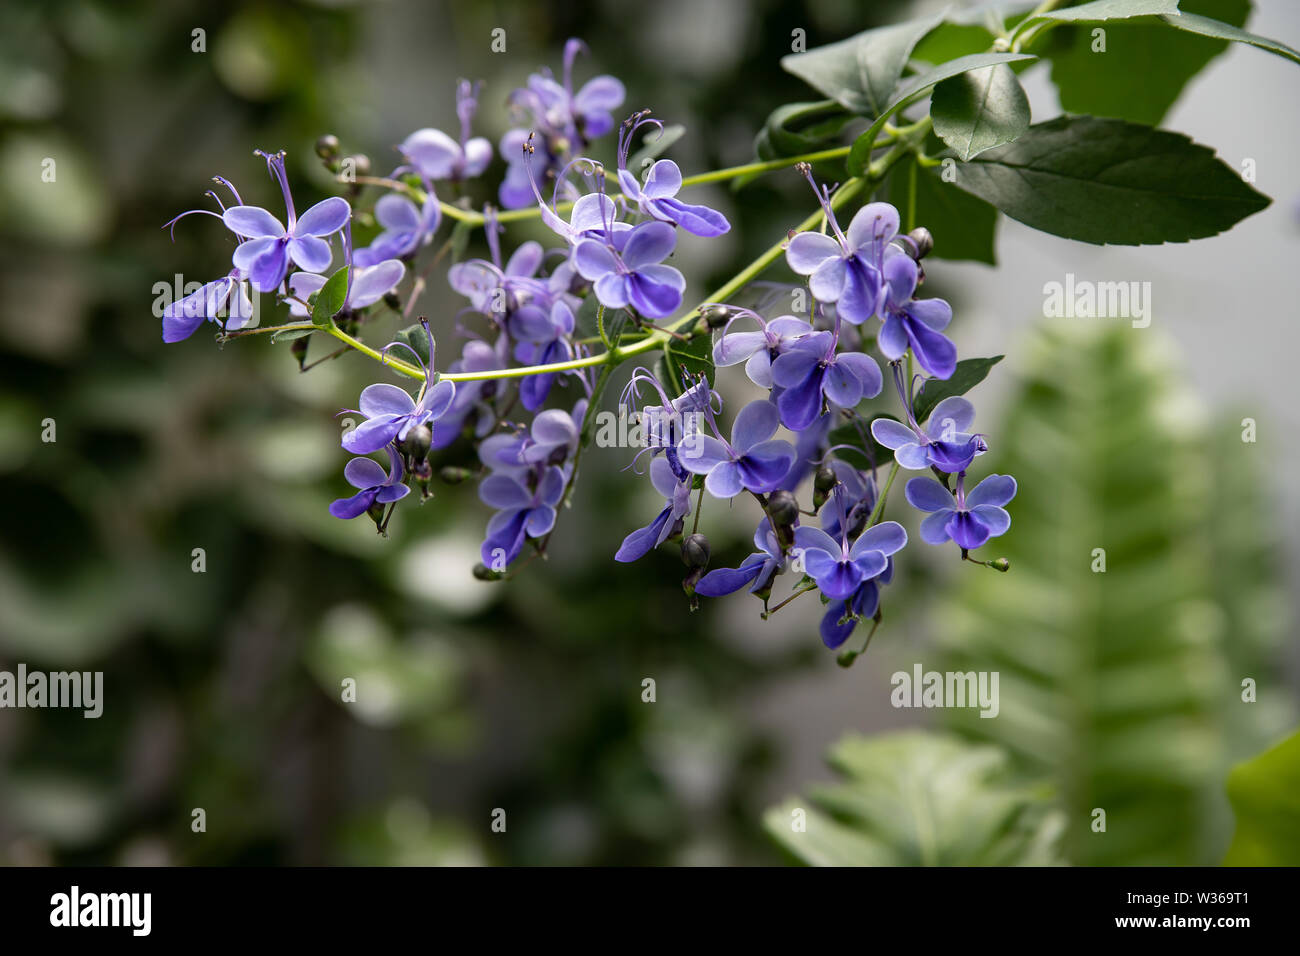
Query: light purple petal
<point x="926" y="494"/>
<point x="755" y="423"/>
<point x="600" y="94"/>
<point x="993" y="490"/>
<point x="842" y="386"/>
<point x="540" y="521"/>
<point x="828" y="279"/>
<point x="951" y="417"/>
<point x="994" y="518"/>
<point x="593" y="259"/>
<point x="874" y="223"/>
<point x="310" y="253"/>
<point x="808" y="250"/>
<point x="526" y="260"/>
<point x="703" y="455"/>
<point x="371" y="284"/>
<point x="323" y="219"/>
<point x="394" y="211"/>
<point x="888" y="538"/>
<point x="892" y="338"/>
<point x="364" y="473"/>
<point x="736" y="347"/>
<point x="934" y="529"/>
<point x="650" y="242"/>
<point x="385" y="399"/>
<point x="892" y="434"/>
<point x="252" y="221"/>
<point x="724" y="481"/>
<point x="433" y="153"/>
<point x="502" y="491"/>
<point x="664" y="181"/>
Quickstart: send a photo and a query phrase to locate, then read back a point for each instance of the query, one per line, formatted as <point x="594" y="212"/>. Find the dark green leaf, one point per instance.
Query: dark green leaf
<point x="1209" y="27"/>
<point x="798" y="128"/>
<point x="963" y="226"/>
<point x="979" y="110"/>
<point x="290" y="334"/>
<point x="1101" y="83"/>
<point x="860" y="156"/>
<point x="1108" y="181"/>
<point x="330" y="299"/>
<point x="862" y="71"/>
<point x="695" y="358"/>
<point x="969" y="373"/>
<point x="416" y="339"/>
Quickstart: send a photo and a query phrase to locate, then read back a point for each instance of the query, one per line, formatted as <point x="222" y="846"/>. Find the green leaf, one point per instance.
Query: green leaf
<point x="1113" y="677"/>
<point x="1102" y="10"/>
<point x="415" y="338"/>
<point x="330" y="299"/>
<point x="979" y="110"/>
<point x="694" y="357"/>
<point x="655" y="145"/>
<point x="861" y="72"/>
<point x="1108" y="181"/>
<point x="1265" y="795"/>
<point x="1101" y="83"/>
<point x="963" y="226"/>
<point x="798" y="128"/>
<point x="969" y="373"/>
<point x="288" y="335"/>
<point x="860" y="155"/>
<point x="913" y="798"/>
<point x="1208" y="27"/>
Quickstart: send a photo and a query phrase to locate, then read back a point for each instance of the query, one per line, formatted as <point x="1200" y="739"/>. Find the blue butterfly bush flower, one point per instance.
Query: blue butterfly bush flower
<point x="377" y="486"/>
<point x="840" y="568"/>
<point x="563" y="123"/>
<point x="526" y="429"/>
<point x="969" y="520"/>
<point x="270" y="246"/>
<point x="944" y="442"/>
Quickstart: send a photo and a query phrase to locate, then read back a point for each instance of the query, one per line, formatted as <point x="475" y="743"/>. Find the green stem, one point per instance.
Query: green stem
<point x="878" y="511"/>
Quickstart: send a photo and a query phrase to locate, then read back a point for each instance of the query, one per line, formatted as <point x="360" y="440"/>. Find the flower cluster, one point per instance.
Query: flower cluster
<point x="527" y="381"/>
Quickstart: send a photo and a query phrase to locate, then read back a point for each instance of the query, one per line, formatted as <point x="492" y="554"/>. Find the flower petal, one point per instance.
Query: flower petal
<point x="385" y="399"/>
<point x="724" y="481"/>
<point x="892" y="434"/>
<point x="323" y="219"/>
<point x="927" y="494"/>
<point x="993" y="490"/>
<point x="650" y="243"/>
<point x="888" y="538"/>
<point x="874" y="224"/>
<point x="994" y="518"/>
<point x="949" y="418"/>
<point x="310" y="253"/>
<point x="643" y="540"/>
<point x="808" y="250"/>
<point x="755" y="423"/>
<point x="252" y="221"/>
<point x="364" y="473"/>
<point x="764" y="465"/>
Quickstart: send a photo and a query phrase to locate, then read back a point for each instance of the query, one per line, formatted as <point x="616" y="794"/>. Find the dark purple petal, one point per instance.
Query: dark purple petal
<point x="370" y="436"/>
<point x="801" y="403"/>
<point x="967" y="530"/>
<point x="833" y="633"/>
<point x="728" y="580"/>
<point x="934" y="529"/>
<point x="654" y="294"/>
<point x="697" y="220"/>
<point x="763" y="467"/>
<point x="649" y="243"/>
<point x="643" y="540"/>
<point x="933" y="350"/>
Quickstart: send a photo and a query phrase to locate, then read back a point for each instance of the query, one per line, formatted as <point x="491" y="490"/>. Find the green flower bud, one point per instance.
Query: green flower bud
<point x="453" y="475"/>
<point x="327" y="147"/>
<point x="417" y="442"/>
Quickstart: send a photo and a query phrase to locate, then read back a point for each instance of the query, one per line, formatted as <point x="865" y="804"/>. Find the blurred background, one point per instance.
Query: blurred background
<point x="1120" y="690"/>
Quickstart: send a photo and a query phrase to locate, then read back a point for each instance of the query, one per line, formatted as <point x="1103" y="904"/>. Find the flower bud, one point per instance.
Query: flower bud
<point x="695" y="551"/>
<point x="483" y="573"/>
<point x="453" y="475"/>
<point x="393" y="301"/>
<point x="327" y="147"/>
<point x="922" y="242"/>
<point x="716" y="316"/>
<point x="360" y="164"/>
<point x="417" y="442"/>
<point x="1000" y="564"/>
<point x="783" y="508"/>
<point x="823" y="484"/>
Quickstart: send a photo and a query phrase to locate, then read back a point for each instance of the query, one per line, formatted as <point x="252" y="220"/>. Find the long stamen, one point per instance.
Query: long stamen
<point x="823" y="195"/>
<point x="275" y="164"/>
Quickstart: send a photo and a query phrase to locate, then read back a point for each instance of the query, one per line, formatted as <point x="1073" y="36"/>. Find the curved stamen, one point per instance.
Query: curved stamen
<point x="275" y="164"/>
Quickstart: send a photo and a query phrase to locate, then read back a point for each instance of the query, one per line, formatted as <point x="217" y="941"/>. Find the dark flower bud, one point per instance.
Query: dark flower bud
<point x="783" y="508"/>
<point x="422" y="471"/>
<point x="417" y="442"/>
<point x="393" y="301"/>
<point x="823" y="484"/>
<point x="327" y="147"/>
<point x="716" y="317"/>
<point x="298" y="349"/>
<point x="361" y="164"/>
<point x="695" y="551"/>
<point x="922" y="242"/>
<point x="454" y="475"/>
<point x="483" y="573"/>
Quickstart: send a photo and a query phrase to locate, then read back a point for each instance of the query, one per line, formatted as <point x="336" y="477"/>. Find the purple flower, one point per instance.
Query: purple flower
<point x="811" y="369"/>
<point x="543" y="340"/>
<point x="677" y="504"/>
<point x="840" y="569"/>
<point x="656" y="198"/>
<point x="435" y="155"/>
<point x="496" y="291"/>
<point x="265" y="256"/>
<point x="852" y="500"/>
<point x="407" y="227"/>
<point x="563" y="120"/>
<point x="757" y="570"/>
<point x="377" y="486"/>
<point x="760" y="348"/>
<point x="391" y="413"/>
<point x="944" y="442"/>
<point x="845" y="268"/>
<point x="752" y="460"/>
<point x="842" y="617"/>
<point x="366" y="286"/>
<point x="914" y="323"/>
<point x="221" y="298"/>
<point x="968" y="519"/>
<point x="625" y="269"/>
<point x="524" y="512"/>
